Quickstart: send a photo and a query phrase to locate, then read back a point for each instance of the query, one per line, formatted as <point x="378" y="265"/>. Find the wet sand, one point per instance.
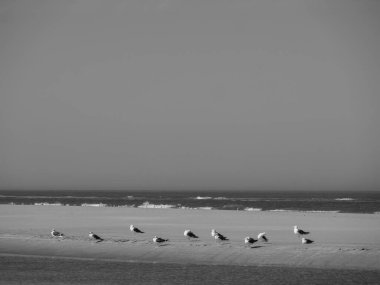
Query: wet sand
<point x="56" y="270"/>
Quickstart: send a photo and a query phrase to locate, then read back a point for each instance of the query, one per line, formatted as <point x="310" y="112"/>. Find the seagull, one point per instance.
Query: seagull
<point x="261" y="236"/>
<point x="219" y="236"/>
<point x="305" y="241"/>
<point x="249" y="240"/>
<point x="298" y="231"/>
<point x="159" y="240"/>
<point x="214" y="232"/>
<point x="94" y="236"/>
<point x="189" y="234"/>
<point x="55" y="233"/>
<point x="135" y="230"/>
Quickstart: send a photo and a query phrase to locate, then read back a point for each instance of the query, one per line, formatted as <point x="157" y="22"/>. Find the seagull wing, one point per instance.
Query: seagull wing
<point x="221" y="237"/>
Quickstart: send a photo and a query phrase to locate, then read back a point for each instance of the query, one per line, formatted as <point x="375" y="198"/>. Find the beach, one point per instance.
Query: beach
<point x="341" y="241"/>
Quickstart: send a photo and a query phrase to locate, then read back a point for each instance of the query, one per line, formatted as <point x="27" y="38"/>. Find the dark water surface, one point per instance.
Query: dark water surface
<point x="338" y="201"/>
<point x="47" y="270"/>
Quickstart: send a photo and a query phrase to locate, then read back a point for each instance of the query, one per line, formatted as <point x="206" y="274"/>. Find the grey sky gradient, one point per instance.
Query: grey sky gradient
<point x="177" y="94"/>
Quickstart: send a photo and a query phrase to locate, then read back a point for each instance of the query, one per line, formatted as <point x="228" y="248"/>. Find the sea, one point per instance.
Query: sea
<point x="299" y="201"/>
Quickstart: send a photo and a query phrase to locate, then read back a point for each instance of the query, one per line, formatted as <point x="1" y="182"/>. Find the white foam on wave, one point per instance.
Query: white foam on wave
<point x="220" y="198"/>
<point x="253" y="209"/>
<point x="211" y="198"/>
<point x="306" y="211"/>
<point x="203" y="198"/>
<point x="148" y="205"/>
<point x="344" y="199"/>
<point x="196" y="208"/>
<point x="47" y="204"/>
<point x="93" y="205"/>
<point x="205" y="208"/>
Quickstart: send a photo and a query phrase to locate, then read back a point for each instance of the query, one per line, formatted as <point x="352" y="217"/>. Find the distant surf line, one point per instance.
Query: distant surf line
<point x="167" y="206"/>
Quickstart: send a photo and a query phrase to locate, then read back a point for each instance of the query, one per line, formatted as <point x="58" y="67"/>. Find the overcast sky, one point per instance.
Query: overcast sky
<point x="179" y="94"/>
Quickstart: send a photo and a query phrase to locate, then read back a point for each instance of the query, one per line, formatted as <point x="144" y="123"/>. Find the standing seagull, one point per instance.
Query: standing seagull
<point x="299" y="232"/>
<point x="249" y="240"/>
<point x="262" y="236"/>
<point x="159" y="240"/>
<point x="55" y="233"/>
<point x="189" y="234"/>
<point x="219" y="236"/>
<point x="95" y="237"/>
<point x="135" y="230"/>
<point x="214" y="233"/>
<point x="306" y="241"/>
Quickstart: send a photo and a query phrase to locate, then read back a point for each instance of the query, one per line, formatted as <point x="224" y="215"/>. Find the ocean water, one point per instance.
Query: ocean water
<point x="48" y="270"/>
<point x="317" y="201"/>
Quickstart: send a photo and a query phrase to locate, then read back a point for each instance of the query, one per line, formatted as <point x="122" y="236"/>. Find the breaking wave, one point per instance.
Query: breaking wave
<point x="148" y="205"/>
<point x="48" y="204"/>
<point x="94" y="205"/>
<point x="253" y="209"/>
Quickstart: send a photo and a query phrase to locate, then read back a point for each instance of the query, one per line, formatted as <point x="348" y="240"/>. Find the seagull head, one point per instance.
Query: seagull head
<point x="295" y="227"/>
<point x="90" y="233"/>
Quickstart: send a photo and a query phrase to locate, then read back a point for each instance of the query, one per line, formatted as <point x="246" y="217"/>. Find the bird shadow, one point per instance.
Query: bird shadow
<point x="161" y="245"/>
<point x="97" y="241"/>
<point x="256" y="246"/>
<point x="122" y="240"/>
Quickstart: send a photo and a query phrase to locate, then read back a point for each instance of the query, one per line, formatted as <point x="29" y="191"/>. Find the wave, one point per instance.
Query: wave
<point x="156" y="206"/>
<point x="212" y="198"/>
<point x="344" y="199"/>
<point x="93" y="205"/>
<point x="56" y="197"/>
<point x="202" y="198"/>
<point x="253" y="209"/>
<point x="340" y="206"/>
<point x="48" y="204"/>
<point x="204" y="208"/>
<point x="222" y="198"/>
<point x="148" y="205"/>
<point x="305" y="211"/>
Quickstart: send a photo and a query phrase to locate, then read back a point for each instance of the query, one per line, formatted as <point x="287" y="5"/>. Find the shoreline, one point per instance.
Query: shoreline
<point x="172" y="207"/>
<point x="342" y="241"/>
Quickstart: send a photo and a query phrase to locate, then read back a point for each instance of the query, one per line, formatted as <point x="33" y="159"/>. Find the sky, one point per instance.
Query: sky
<point x="195" y="95"/>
